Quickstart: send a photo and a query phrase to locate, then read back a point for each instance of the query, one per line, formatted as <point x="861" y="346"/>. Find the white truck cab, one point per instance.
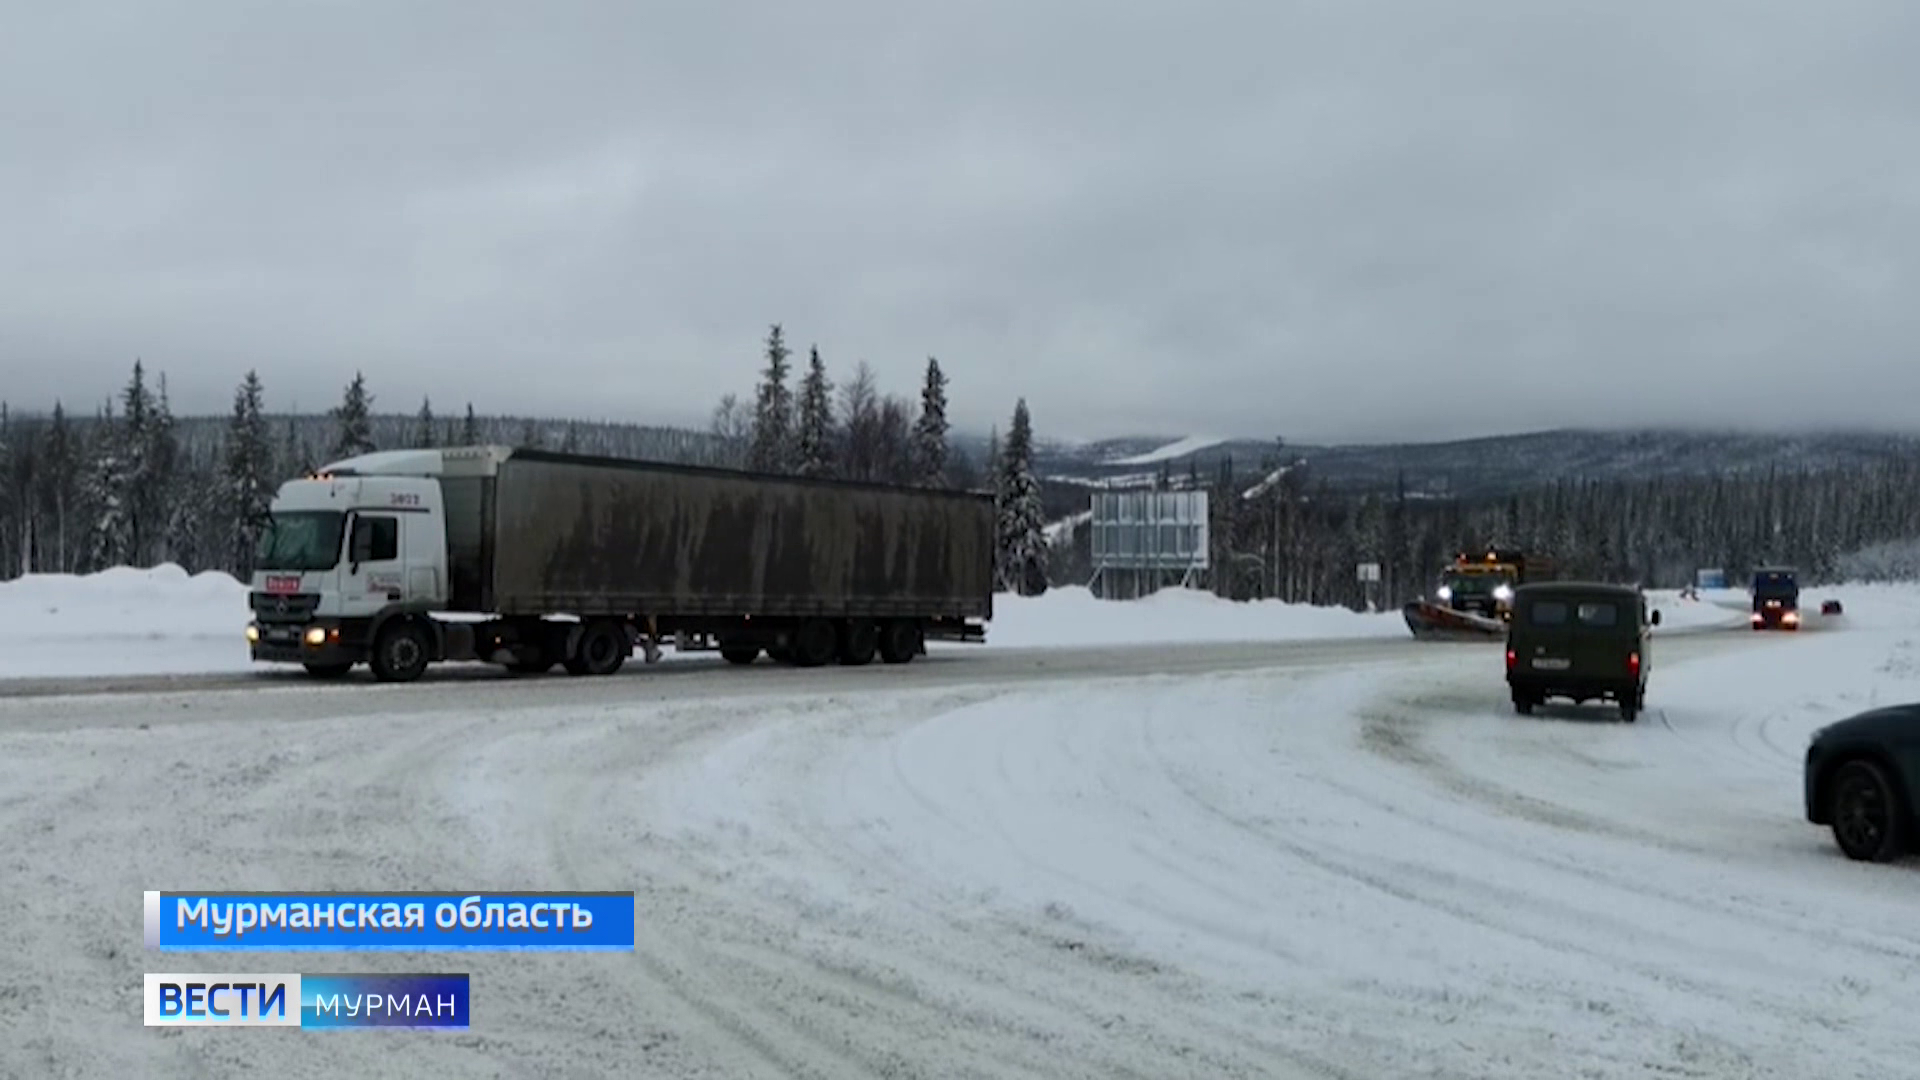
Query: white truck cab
<point x="356" y="543"/>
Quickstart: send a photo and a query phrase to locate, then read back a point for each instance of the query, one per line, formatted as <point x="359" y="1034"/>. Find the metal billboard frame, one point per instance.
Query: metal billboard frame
<point x="1146" y="538"/>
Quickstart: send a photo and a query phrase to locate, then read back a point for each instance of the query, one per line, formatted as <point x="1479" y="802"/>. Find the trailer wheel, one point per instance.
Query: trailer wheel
<point x="814" y="643"/>
<point x="603" y="648"/>
<point x="533" y="659"/>
<point x="858" y="641"/>
<point x="899" y="641"/>
<point x="401" y="654"/>
<point x="740" y="654"/>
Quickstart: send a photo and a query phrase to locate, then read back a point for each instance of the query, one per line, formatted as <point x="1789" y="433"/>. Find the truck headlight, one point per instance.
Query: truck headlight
<point x="253" y="633"/>
<point x="1503" y="592"/>
<point x="316" y="636"/>
<point x="1444" y="592"/>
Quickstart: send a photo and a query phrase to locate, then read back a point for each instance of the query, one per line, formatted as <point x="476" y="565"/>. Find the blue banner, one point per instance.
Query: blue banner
<point x="383" y="1001"/>
<point x="389" y="922"/>
<point x="360" y="1000"/>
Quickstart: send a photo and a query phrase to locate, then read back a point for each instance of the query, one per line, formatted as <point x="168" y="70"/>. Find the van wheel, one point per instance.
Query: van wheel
<point x="899" y="641"/>
<point x="401" y="654"/>
<point x="1868" y="822"/>
<point x="602" y="649"/>
<point x="1523" y="704"/>
<point x="858" y="642"/>
<point x="1629" y="711"/>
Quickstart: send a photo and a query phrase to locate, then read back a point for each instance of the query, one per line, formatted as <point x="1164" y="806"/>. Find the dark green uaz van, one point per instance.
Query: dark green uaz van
<point x="1581" y="641"/>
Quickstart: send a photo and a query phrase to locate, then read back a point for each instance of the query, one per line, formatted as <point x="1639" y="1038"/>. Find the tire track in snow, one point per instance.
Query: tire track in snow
<point x="1734" y="989"/>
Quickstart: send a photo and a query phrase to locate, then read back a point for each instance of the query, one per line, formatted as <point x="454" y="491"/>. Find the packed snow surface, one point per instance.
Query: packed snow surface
<point x="1352" y="861"/>
<point x="163" y="622"/>
<point x="1178" y="449"/>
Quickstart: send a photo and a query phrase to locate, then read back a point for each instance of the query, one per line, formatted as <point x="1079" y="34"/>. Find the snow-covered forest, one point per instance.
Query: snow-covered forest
<point x="1281" y="533"/>
<point x="128" y="483"/>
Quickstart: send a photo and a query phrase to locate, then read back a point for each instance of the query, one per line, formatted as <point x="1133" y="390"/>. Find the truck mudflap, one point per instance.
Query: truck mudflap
<point x="1432" y="622"/>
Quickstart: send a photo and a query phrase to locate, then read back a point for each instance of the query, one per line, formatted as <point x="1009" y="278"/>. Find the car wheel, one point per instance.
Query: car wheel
<point x="1869" y="823"/>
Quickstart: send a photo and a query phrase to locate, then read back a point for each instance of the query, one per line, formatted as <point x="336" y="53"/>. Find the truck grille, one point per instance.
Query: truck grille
<point x="292" y="607"/>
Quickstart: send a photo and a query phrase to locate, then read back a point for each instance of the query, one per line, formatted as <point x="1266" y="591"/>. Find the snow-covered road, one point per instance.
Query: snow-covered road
<point x="1336" y="860"/>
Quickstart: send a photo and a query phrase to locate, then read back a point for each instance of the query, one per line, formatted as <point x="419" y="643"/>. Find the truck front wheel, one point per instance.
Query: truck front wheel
<point x="400" y="654"/>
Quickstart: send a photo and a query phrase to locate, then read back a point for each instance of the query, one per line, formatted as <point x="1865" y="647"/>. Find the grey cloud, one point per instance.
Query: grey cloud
<point x="1222" y="217"/>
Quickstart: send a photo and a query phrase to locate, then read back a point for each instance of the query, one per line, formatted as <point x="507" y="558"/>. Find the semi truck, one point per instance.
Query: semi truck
<point x="530" y="558"/>
<point x="1776" y="598"/>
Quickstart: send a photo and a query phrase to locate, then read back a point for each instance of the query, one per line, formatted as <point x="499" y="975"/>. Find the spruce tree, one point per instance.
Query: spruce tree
<point x="930" y="429"/>
<point x="354" y="415"/>
<point x="772" y="449"/>
<point x="296" y="457"/>
<point x="133" y="491"/>
<point x="164" y="500"/>
<point x="1022" y="518"/>
<point x="9" y="506"/>
<point x="816" y="419"/>
<point x="424" y="435"/>
<point x="104" y="489"/>
<point x="248" y="477"/>
<point x="59" y="477"/>
<point x="470" y="428"/>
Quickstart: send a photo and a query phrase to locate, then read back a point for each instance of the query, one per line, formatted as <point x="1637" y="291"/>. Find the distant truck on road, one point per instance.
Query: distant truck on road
<point x="530" y="558"/>
<point x="1776" y="599"/>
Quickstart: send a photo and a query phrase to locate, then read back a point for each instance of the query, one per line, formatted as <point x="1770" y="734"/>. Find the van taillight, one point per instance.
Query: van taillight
<point x="1633" y="663"/>
<point x="1512" y="660"/>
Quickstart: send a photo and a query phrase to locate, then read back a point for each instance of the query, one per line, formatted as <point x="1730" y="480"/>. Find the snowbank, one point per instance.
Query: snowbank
<point x="122" y="621"/>
<point x="1074" y="616"/>
<point x="164" y="621"/>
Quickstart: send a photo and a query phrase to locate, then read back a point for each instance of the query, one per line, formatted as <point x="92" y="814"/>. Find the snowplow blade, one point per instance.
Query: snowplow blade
<point x="1433" y="622"/>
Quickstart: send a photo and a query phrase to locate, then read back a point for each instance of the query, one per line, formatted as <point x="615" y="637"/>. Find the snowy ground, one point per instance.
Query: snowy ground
<point x="162" y="622"/>
<point x="1345" y="860"/>
<point x="127" y="622"/>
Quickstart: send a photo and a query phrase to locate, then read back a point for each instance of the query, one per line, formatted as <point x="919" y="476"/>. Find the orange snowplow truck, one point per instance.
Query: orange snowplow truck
<point x="1482" y="582"/>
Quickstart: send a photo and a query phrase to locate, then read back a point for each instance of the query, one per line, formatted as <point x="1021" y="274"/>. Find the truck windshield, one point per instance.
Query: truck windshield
<point x="1474" y="584"/>
<point x="300" y="540"/>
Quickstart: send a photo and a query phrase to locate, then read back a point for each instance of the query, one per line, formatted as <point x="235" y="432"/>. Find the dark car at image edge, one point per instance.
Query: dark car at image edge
<point x="1861" y="777"/>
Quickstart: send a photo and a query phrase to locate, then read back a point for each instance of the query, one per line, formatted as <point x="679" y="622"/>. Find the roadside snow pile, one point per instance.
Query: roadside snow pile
<point x="123" y="621"/>
<point x="1709" y="610"/>
<point x="1074" y="616"/>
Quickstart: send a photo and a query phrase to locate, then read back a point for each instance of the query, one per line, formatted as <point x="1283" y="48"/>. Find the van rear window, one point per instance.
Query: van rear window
<point x="1599" y="614"/>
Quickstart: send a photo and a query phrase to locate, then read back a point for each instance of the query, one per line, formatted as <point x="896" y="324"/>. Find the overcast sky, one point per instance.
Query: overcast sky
<point x="1338" y="220"/>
